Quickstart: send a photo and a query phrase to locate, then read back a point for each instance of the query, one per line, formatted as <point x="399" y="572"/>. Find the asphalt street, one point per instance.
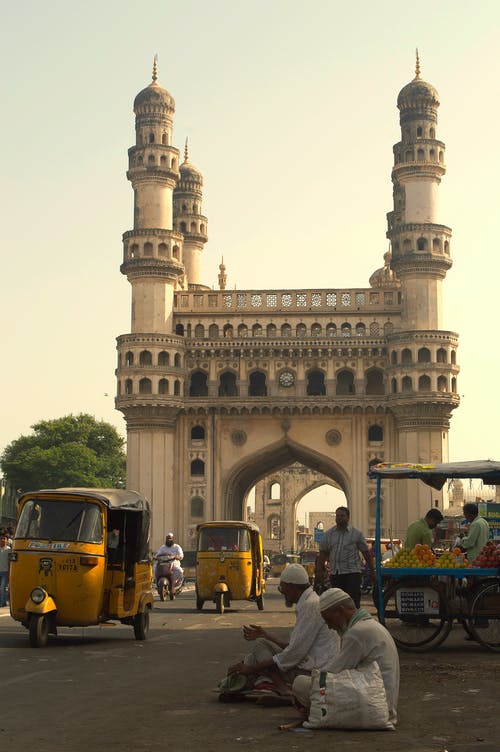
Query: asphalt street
<point x="100" y="688"/>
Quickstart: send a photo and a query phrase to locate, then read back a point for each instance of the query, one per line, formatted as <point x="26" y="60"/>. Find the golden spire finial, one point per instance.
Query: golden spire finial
<point x="186" y="152"/>
<point x="155" y="69"/>
<point x="417" y="65"/>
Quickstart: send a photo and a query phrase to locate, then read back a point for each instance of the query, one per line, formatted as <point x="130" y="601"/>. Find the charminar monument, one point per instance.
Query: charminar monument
<point x="222" y="388"/>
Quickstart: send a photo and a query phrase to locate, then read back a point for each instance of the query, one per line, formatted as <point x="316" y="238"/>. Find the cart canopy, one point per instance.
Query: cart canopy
<point x="436" y="475"/>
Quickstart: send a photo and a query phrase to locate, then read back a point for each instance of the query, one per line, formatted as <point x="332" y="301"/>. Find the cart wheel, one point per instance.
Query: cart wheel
<point x="141" y="625"/>
<point x="260" y="602"/>
<point x="416" y="632"/>
<point x="219" y="603"/>
<point x="484" y="619"/>
<point x="39" y="630"/>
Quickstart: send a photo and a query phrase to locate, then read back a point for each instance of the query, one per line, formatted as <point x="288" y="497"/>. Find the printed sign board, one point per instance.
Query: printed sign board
<point x="417" y="600"/>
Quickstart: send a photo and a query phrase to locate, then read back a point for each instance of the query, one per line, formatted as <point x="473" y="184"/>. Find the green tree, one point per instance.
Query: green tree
<point x="76" y="450"/>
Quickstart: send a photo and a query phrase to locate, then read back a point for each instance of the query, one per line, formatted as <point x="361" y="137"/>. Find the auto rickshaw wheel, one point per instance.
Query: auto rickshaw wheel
<point x="141" y="624"/>
<point x="260" y="602"/>
<point x="219" y="603"/>
<point x="39" y="630"/>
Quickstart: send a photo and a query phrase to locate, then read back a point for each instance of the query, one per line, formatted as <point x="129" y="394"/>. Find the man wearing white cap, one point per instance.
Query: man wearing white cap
<point x="311" y="643"/>
<point x="363" y="640"/>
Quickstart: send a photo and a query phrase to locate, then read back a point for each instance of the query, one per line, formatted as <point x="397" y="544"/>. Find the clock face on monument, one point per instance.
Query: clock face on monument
<point x="286" y="378"/>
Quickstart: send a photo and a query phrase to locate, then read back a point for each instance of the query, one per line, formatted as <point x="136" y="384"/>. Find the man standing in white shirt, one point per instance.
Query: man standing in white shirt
<point x="311" y="645"/>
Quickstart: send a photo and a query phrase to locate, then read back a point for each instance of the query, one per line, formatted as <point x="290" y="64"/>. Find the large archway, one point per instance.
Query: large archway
<point x="274" y="457"/>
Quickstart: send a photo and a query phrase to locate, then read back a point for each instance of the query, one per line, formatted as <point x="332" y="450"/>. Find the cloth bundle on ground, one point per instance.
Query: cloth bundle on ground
<point x="352" y="699"/>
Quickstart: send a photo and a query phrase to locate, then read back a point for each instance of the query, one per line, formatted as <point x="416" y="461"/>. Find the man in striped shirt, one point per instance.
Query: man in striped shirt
<point x="341" y="546"/>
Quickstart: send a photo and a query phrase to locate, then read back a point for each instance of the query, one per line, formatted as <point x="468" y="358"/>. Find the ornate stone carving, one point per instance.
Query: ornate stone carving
<point x="238" y="437"/>
<point x="333" y="437"/>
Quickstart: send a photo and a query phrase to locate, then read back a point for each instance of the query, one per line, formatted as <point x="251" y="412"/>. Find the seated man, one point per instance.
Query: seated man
<point x="363" y="640"/>
<point x="311" y="644"/>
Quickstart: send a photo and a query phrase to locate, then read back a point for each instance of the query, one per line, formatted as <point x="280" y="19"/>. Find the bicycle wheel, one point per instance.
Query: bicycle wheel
<point x="484" y="617"/>
<point x="417" y="615"/>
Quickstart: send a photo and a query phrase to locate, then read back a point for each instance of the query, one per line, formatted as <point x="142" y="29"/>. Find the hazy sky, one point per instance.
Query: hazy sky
<point x="290" y="109"/>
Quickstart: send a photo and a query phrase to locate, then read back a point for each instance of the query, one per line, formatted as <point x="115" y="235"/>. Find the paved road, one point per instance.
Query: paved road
<point x="99" y="688"/>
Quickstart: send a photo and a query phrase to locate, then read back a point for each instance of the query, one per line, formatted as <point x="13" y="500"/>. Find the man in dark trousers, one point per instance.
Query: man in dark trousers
<point x="341" y="546"/>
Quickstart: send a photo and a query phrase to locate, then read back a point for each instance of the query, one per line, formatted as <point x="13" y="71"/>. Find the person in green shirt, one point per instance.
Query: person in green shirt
<point x="420" y="530"/>
<point x="479" y="532"/>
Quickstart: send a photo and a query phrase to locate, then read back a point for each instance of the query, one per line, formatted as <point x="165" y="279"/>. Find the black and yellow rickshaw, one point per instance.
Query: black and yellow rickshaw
<point x="80" y="557"/>
<point x="229" y="564"/>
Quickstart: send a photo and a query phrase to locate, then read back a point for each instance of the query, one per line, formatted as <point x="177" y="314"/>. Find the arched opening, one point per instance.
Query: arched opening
<point x="275" y="491"/>
<point x="227" y="384"/>
<point x="394" y="386"/>
<point x="163" y="250"/>
<point x="163" y="387"/>
<point x="273" y="527"/>
<point x="406" y="356"/>
<point x="360" y="330"/>
<point x="242" y="330"/>
<point x="441" y="355"/>
<point x="345" y="330"/>
<point x="301" y="330"/>
<point x="374" y="381"/>
<point x="198" y="384"/>
<point x="262" y="466"/>
<point x="256" y="330"/>
<point x="197" y="433"/>
<point x="227" y="330"/>
<point x="316" y="384"/>
<point x="407" y="384"/>
<point x="145" y="358"/>
<point x="177" y="388"/>
<point x="421" y="244"/>
<point x="454" y="385"/>
<point x="345" y="383"/>
<point x="129" y="359"/>
<point x="286" y="330"/>
<point x="197" y="468"/>
<point x="128" y="386"/>
<point x="453" y="357"/>
<point x="257" y="386"/>
<point x="199" y="331"/>
<point x="316" y="330"/>
<point x="177" y="360"/>
<point x="163" y="358"/>
<point x="424" y="383"/>
<point x="213" y="331"/>
<point x="145" y="386"/>
<point x="331" y="330"/>
<point x="442" y="384"/>
<point x="394" y="358"/>
<point x="424" y="355"/>
<point x="375" y="433"/>
<point x="271" y="330"/>
<point x="179" y="329"/>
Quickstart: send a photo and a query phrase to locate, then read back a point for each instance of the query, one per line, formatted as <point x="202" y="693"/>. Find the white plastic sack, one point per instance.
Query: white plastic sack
<point x="354" y="698"/>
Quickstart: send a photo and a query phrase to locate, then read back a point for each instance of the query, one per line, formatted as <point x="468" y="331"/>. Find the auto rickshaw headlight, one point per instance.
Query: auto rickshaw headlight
<point x="38" y="595"/>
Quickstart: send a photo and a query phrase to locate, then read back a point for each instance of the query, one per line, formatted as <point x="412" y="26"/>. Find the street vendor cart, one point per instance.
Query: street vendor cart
<point x="419" y="605"/>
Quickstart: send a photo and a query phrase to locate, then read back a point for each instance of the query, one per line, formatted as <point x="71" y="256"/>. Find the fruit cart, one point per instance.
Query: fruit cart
<point x="418" y="604"/>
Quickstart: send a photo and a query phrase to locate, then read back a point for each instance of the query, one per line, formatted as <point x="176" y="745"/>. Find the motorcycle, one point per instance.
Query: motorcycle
<point x="169" y="578"/>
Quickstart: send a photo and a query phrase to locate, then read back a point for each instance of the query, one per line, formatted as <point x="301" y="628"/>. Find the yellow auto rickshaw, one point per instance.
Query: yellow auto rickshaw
<point x="280" y="561"/>
<point x="80" y="557"/>
<point x="229" y="564"/>
<point x="308" y="561"/>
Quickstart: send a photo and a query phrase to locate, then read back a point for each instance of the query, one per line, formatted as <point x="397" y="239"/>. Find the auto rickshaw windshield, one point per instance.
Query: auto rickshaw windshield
<point x="45" y="519"/>
<point x="223" y="539"/>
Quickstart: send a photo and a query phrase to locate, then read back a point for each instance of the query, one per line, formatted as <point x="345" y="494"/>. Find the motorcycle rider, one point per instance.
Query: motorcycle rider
<point x="171" y="549"/>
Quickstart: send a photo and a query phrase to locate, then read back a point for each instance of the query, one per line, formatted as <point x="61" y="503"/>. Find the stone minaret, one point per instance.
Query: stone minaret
<point x="188" y="218"/>
<point x="422" y="375"/>
<point x="151" y="358"/>
<point x="152" y="251"/>
<point x="420" y="244"/>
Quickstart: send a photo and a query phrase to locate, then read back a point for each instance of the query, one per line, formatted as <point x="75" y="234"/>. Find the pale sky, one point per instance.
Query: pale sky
<point x="290" y="110"/>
